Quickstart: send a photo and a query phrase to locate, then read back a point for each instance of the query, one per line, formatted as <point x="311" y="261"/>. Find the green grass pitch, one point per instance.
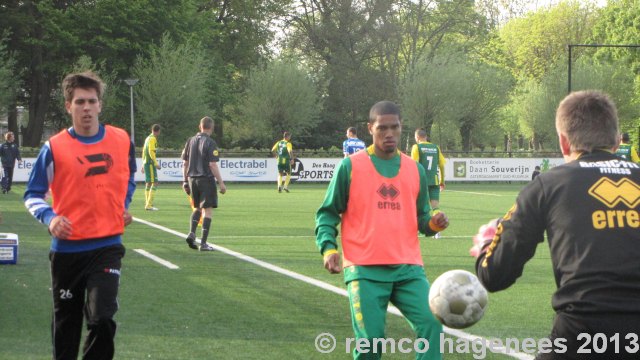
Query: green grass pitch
<point x="217" y="306"/>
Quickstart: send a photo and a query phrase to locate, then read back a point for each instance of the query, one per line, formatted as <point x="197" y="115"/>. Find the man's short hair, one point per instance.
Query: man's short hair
<point x="286" y="134"/>
<point x="83" y="80"/>
<point x="421" y="133"/>
<point x="155" y="128"/>
<point x="206" y="123"/>
<point x="625" y="137"/>
<point x="383" y="108"/>
<point x="7" y="134"/>
<point x="589" y="120"/>
<point x="352" y="131"/>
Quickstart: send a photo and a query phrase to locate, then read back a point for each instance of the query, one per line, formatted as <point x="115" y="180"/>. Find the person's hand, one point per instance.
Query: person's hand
<point x="439" y="221"/>
<point x="223" y="188"/>
<point x="60" y="227"/>
<point x="442" y="187"/>
<point x="186" y="188"/>
<point x="483" y="237"/>
<point x="142" y="169"/>
<point x="332" y="263"/>
<point x="127" y="217"/>
<point x="158" y="166"/>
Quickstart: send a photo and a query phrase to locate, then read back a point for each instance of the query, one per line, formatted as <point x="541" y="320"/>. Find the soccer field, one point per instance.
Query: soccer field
<point x="222" y="305"/>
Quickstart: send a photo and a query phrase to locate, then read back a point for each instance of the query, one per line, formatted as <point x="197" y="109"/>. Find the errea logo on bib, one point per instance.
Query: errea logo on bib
<point x="388" y="193"/>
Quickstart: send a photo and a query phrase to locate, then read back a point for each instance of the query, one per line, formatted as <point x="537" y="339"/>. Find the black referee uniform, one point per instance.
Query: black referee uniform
<point x="589" y="210"/>
<point x="199" y="151"/>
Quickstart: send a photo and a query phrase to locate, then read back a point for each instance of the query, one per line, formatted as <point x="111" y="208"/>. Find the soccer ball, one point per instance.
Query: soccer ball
<point x="458" y="299"/>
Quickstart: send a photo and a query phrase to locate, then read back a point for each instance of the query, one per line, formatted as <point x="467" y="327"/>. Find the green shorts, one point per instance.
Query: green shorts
<point x="284" y="166"/>
<point x="150" y="173"/>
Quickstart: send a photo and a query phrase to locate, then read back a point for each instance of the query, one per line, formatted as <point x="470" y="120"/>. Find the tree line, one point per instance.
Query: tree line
<point x="482" y="74"/>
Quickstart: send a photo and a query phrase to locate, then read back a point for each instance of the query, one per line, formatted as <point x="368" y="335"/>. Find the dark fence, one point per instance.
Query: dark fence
<point x="321" y="153"/>
<point x="335" y="153"/>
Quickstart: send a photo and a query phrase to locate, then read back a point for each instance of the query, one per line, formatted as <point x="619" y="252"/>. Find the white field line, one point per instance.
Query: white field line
<point x="474" y="193"/>
<point x="301" y="236"/>
<point x="159" y="260"/>
<point x="340" y="291"/>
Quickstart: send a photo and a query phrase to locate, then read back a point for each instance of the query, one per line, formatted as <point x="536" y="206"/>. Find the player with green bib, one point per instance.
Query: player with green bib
<point x="379" y="196"/>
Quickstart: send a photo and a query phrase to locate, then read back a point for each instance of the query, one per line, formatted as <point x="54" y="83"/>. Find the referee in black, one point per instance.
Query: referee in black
<point x="200" y="171"/>
<point x="588" y="208"/>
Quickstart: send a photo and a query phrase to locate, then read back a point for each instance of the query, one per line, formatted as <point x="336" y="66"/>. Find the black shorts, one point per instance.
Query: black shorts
<point x="96" y="272"/>
<point x="204" y="192"/>
<point x="595" y="337"/>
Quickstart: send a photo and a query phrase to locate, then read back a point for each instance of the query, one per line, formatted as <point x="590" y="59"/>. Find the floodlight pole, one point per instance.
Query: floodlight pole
<point x="131" y="83"/>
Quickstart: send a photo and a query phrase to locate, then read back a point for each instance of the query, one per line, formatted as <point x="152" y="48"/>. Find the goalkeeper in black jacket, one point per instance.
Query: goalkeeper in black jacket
<point x="589" y="210"/>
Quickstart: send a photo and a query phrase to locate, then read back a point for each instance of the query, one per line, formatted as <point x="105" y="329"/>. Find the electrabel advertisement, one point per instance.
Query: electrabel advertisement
<point x="254" y="169"/>
<point x="310" y="169"/>
<point x="321" y="169"/>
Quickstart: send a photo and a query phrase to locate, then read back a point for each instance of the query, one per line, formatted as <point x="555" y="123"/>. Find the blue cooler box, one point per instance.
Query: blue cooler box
<point x="8" y="248"/>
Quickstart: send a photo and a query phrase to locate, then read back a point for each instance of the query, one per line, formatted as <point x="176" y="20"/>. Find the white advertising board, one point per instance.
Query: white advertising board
<point x="321" y="169"/>
<point x="231" y="169"/>
<point x="496" y="169"/>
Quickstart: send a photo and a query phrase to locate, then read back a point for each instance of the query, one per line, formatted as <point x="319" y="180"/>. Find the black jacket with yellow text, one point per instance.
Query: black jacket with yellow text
<point x="589" y="210"/>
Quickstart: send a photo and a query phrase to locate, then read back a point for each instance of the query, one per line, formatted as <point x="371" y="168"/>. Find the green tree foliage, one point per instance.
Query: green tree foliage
<point x="9" y="82"/>
<point x="461" y="98"/>
<point x="615" y="79"/>
<point x="479" y="109"/>
<point x="535" y="102"/>
<point x="48" y="36"/>
<point x="172" y="91"/>
<point x="236" y="36"/>
<point x="279" y="98"/>
<point x="619" y="24"/>
<point x="420" y="29"/>
<point x="535" y="43"/>
<point x="356" y="52"/>
<point x="365" y="49"/>
<point x="534" y="106"/>
<point x="428" y="92"/>
<point x="343" y="36"/>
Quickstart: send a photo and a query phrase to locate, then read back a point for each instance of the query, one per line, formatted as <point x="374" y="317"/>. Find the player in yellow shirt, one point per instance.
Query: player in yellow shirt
<point x="150" y="167"/>
<point x="284" y="153"/>
<point x="431" y="158"/>
<point x="626" y="150"/>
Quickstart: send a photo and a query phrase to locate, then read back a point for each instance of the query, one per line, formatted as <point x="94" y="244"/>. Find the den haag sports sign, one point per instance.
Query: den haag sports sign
<point x="313" y="170"/>
<point x="321" y="169"/>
